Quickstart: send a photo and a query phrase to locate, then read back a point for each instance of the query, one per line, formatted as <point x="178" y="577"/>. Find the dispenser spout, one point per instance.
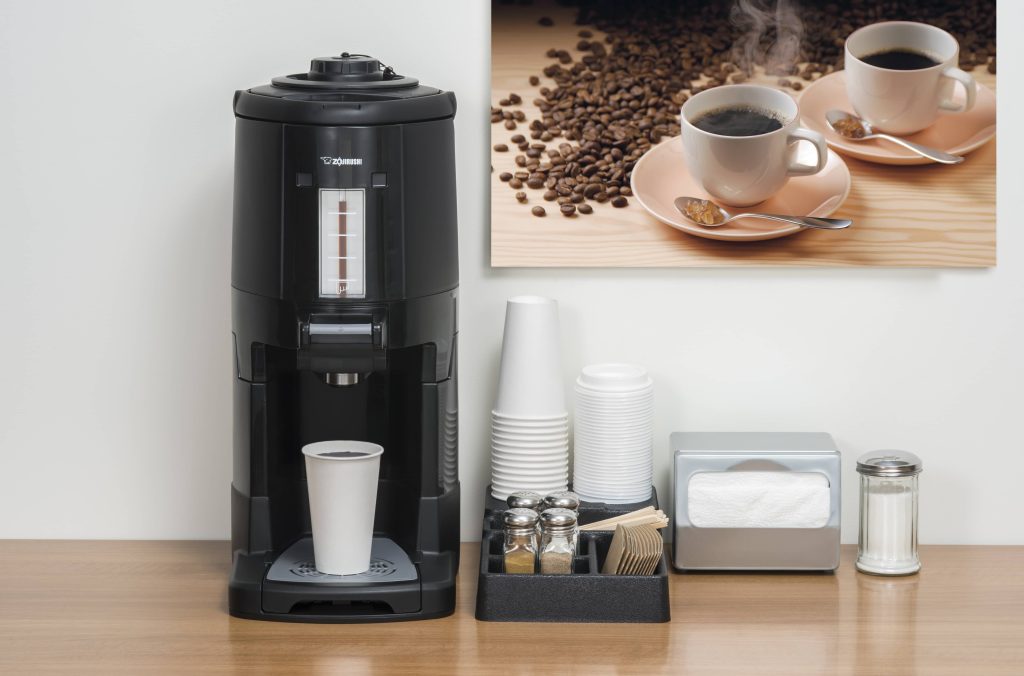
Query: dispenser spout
<point x="341" y="379"/>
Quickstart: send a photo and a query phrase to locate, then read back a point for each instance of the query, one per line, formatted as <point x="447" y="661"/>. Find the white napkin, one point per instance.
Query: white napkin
<point x="758" y="500"/>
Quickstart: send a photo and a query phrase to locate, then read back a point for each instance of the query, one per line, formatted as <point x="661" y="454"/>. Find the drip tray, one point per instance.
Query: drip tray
<point x="388" y="563"/>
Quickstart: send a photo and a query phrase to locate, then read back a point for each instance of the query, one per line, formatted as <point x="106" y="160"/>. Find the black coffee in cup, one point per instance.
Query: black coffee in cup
<point x="900" y="59"/>
<point x="737" y="121"/>
<point x="344" y="454"/>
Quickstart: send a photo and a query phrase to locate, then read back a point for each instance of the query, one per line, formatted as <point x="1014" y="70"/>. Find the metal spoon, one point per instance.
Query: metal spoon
<point x="835" y="116"/>
<point x="808" y="222"/>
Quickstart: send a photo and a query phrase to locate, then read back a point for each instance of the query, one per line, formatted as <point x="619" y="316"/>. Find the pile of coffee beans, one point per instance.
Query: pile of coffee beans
<point x="613" y="97"/>
<point x="598" y="146"/>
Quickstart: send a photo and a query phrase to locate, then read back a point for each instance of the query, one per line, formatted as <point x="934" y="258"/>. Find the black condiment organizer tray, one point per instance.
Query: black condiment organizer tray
<point x="584" y="596"/>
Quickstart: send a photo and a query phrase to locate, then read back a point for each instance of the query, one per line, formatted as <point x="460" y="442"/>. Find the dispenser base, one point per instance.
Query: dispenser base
<point x="388" y="563"/>
<point x="288" y="588"/>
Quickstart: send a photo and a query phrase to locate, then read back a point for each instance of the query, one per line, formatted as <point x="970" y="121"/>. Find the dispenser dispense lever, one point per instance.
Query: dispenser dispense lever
<point x="340" y="330"/>
<point x="357" y="335"/>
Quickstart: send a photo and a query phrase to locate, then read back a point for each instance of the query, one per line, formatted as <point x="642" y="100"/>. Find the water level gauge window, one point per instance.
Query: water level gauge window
<point x="342" y="243"/>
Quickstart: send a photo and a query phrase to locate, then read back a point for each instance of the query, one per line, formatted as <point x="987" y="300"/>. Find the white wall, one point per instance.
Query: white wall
<point x="115" y="198"/>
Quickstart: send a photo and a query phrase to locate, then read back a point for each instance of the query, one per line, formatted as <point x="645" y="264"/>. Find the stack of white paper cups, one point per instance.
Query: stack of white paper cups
<point x="613" y="459"/>
<point x="530" y="423"/>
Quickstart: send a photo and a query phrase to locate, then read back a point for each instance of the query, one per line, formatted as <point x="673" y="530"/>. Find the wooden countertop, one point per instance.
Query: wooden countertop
<point x="160" y="607"/>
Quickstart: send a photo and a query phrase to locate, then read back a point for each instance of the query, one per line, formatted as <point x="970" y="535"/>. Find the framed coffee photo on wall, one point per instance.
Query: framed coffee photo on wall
<point x="663" y="133"/>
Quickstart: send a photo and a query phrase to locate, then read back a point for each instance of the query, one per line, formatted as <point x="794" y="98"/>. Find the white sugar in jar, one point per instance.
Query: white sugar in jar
<point x="887" y="544"/>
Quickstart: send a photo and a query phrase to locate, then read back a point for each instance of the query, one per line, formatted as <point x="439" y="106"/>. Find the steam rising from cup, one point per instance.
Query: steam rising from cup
<point x="772" y="32"/>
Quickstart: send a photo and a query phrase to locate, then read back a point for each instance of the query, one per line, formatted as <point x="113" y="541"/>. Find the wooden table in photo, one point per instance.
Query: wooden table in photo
<point x="161" y="608"/>
<point x="904" y="216"/>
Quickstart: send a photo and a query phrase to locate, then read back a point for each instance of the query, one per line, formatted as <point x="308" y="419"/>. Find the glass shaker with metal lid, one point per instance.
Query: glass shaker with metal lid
<point x="520" y="540"/>
<point x="527" y="499"/>
<point x="563" y="499"/>
<point x="887" y="543"/>
<point x="557" y="541"/>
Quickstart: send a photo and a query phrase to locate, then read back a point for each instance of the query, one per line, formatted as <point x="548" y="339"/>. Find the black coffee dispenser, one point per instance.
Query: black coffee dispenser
<point x="344" y="292"/>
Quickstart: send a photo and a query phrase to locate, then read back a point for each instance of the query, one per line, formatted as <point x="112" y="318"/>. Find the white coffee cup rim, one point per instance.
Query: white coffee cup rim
<point x="788" y="119"/>
<point x="630" y="499"/>
<point x="527" y="436"/>
<point x="613" y="376"/>
<point x="530" y="299"/>
<point x="354" y="450"/>
<point x="512" y="417"/>
<point x="561" y="449"/>
<point x="512" y="469"/>
<point x="597" y="459"/>
<point x="554" y="436"/>
<point x="941" y="65"/>
<point x="620" y="480"/>
<point x="611" y="489"/>
<point x="511" y="473"/>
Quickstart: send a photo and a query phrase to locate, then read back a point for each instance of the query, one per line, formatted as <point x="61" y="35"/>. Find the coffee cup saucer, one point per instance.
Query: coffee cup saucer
<point x="956" y="133"/>
<point x="661" y="175"/>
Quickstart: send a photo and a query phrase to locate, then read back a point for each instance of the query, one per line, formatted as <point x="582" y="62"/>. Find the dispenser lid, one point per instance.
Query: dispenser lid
<point x="346" y="71"/>
<point x="889" y="463"/>
<point x="348" y="89"/>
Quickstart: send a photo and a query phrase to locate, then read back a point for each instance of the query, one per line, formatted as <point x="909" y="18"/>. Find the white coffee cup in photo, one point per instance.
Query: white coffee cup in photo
<point x="905" y="101"/>
<point x="744" y="170"/>
<point x="342" y="482"/>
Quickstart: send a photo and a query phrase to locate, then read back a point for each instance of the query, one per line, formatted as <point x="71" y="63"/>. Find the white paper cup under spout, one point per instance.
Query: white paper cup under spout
<point x="342" y="480"/>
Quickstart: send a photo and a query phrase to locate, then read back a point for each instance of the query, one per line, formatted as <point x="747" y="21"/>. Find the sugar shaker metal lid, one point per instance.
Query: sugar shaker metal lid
<point x="527" y="499"/>
<point x="557" y="517"/>
<point x="520" y="517"/>
<point x="562" y="499"/>
<point x="889" y="463"/>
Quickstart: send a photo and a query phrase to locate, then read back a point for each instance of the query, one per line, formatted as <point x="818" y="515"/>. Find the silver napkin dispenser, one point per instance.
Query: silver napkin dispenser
<point x="755" y="501"/>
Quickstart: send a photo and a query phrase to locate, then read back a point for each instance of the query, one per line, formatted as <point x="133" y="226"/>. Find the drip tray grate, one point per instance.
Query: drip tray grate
<point x="388" y="563"/>
<point x="378" y="568"/>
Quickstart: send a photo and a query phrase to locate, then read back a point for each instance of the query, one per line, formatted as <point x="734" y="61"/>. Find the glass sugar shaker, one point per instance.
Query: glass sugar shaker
<point x="520" y="548"/>
<point x="887" y="543"/>
<point x="557" y="541"/>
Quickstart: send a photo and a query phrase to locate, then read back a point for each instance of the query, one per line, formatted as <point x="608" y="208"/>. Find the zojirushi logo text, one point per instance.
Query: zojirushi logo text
<point x="341" y="161"/>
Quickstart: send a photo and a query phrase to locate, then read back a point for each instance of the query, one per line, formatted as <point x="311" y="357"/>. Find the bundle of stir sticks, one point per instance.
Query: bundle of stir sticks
<point x="635" y="550"/>
<point x="641" y="517"/>
<point x="637" y="546"/>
